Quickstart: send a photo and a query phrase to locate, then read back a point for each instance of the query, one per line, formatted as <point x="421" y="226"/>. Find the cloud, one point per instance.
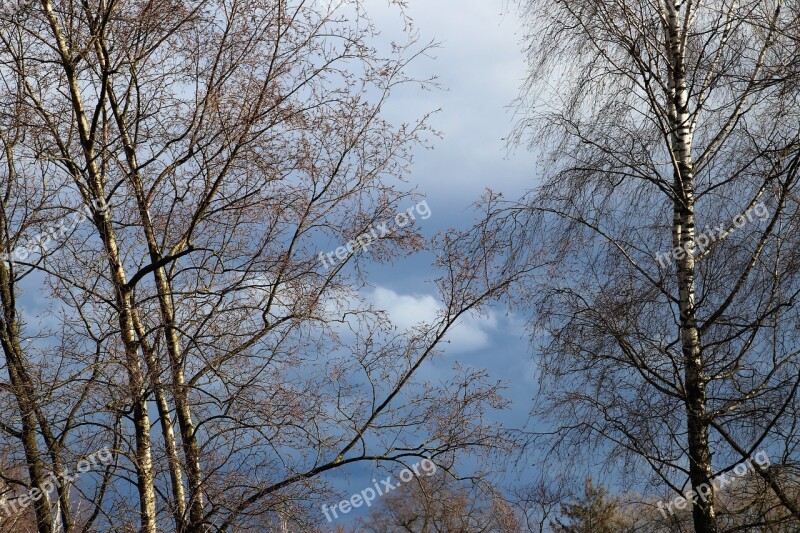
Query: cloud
<point x="481" y="69"/>
<point x="408" y="310"/>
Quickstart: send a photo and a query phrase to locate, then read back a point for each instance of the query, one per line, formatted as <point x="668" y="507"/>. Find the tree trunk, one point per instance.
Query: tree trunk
<point x="23" y="391"/>
<point x="683" y="236"/>
<point x="94" y="189"/>
<point x="167" y="427"/>
<point x="180" y="391"/>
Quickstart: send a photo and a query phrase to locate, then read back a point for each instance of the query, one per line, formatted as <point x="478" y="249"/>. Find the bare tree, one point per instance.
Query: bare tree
<point x="194" y="329"/>
<point x="668" y="331"/>
<point x="27" y="212"/>
<point x="440" y="503"/>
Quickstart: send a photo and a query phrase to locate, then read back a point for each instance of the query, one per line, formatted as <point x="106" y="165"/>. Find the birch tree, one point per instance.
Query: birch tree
<point x="221" y="146"/>
<point x="668" y="332"/>
<point x="23" y="211"/>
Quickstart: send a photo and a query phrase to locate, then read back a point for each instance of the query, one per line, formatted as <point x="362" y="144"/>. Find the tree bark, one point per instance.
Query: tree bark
<point x="94" y="189"/>
<point x="23" y="390"/>
<point x="683" y="237"/>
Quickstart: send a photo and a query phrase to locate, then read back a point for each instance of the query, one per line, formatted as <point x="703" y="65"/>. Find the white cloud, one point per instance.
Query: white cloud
<point x="408" y="310"/>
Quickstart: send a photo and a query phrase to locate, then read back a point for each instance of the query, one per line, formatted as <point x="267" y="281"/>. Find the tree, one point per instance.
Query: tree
<point x="439" y="503"/>
<point x="592" y="513"/>
<point x="667" y="325"/>
<point x="25" y="208"/>
<point x="193" y="328"/>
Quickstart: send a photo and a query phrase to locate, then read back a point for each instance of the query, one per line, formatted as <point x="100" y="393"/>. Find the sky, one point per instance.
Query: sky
<point x="480" y="68"/>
